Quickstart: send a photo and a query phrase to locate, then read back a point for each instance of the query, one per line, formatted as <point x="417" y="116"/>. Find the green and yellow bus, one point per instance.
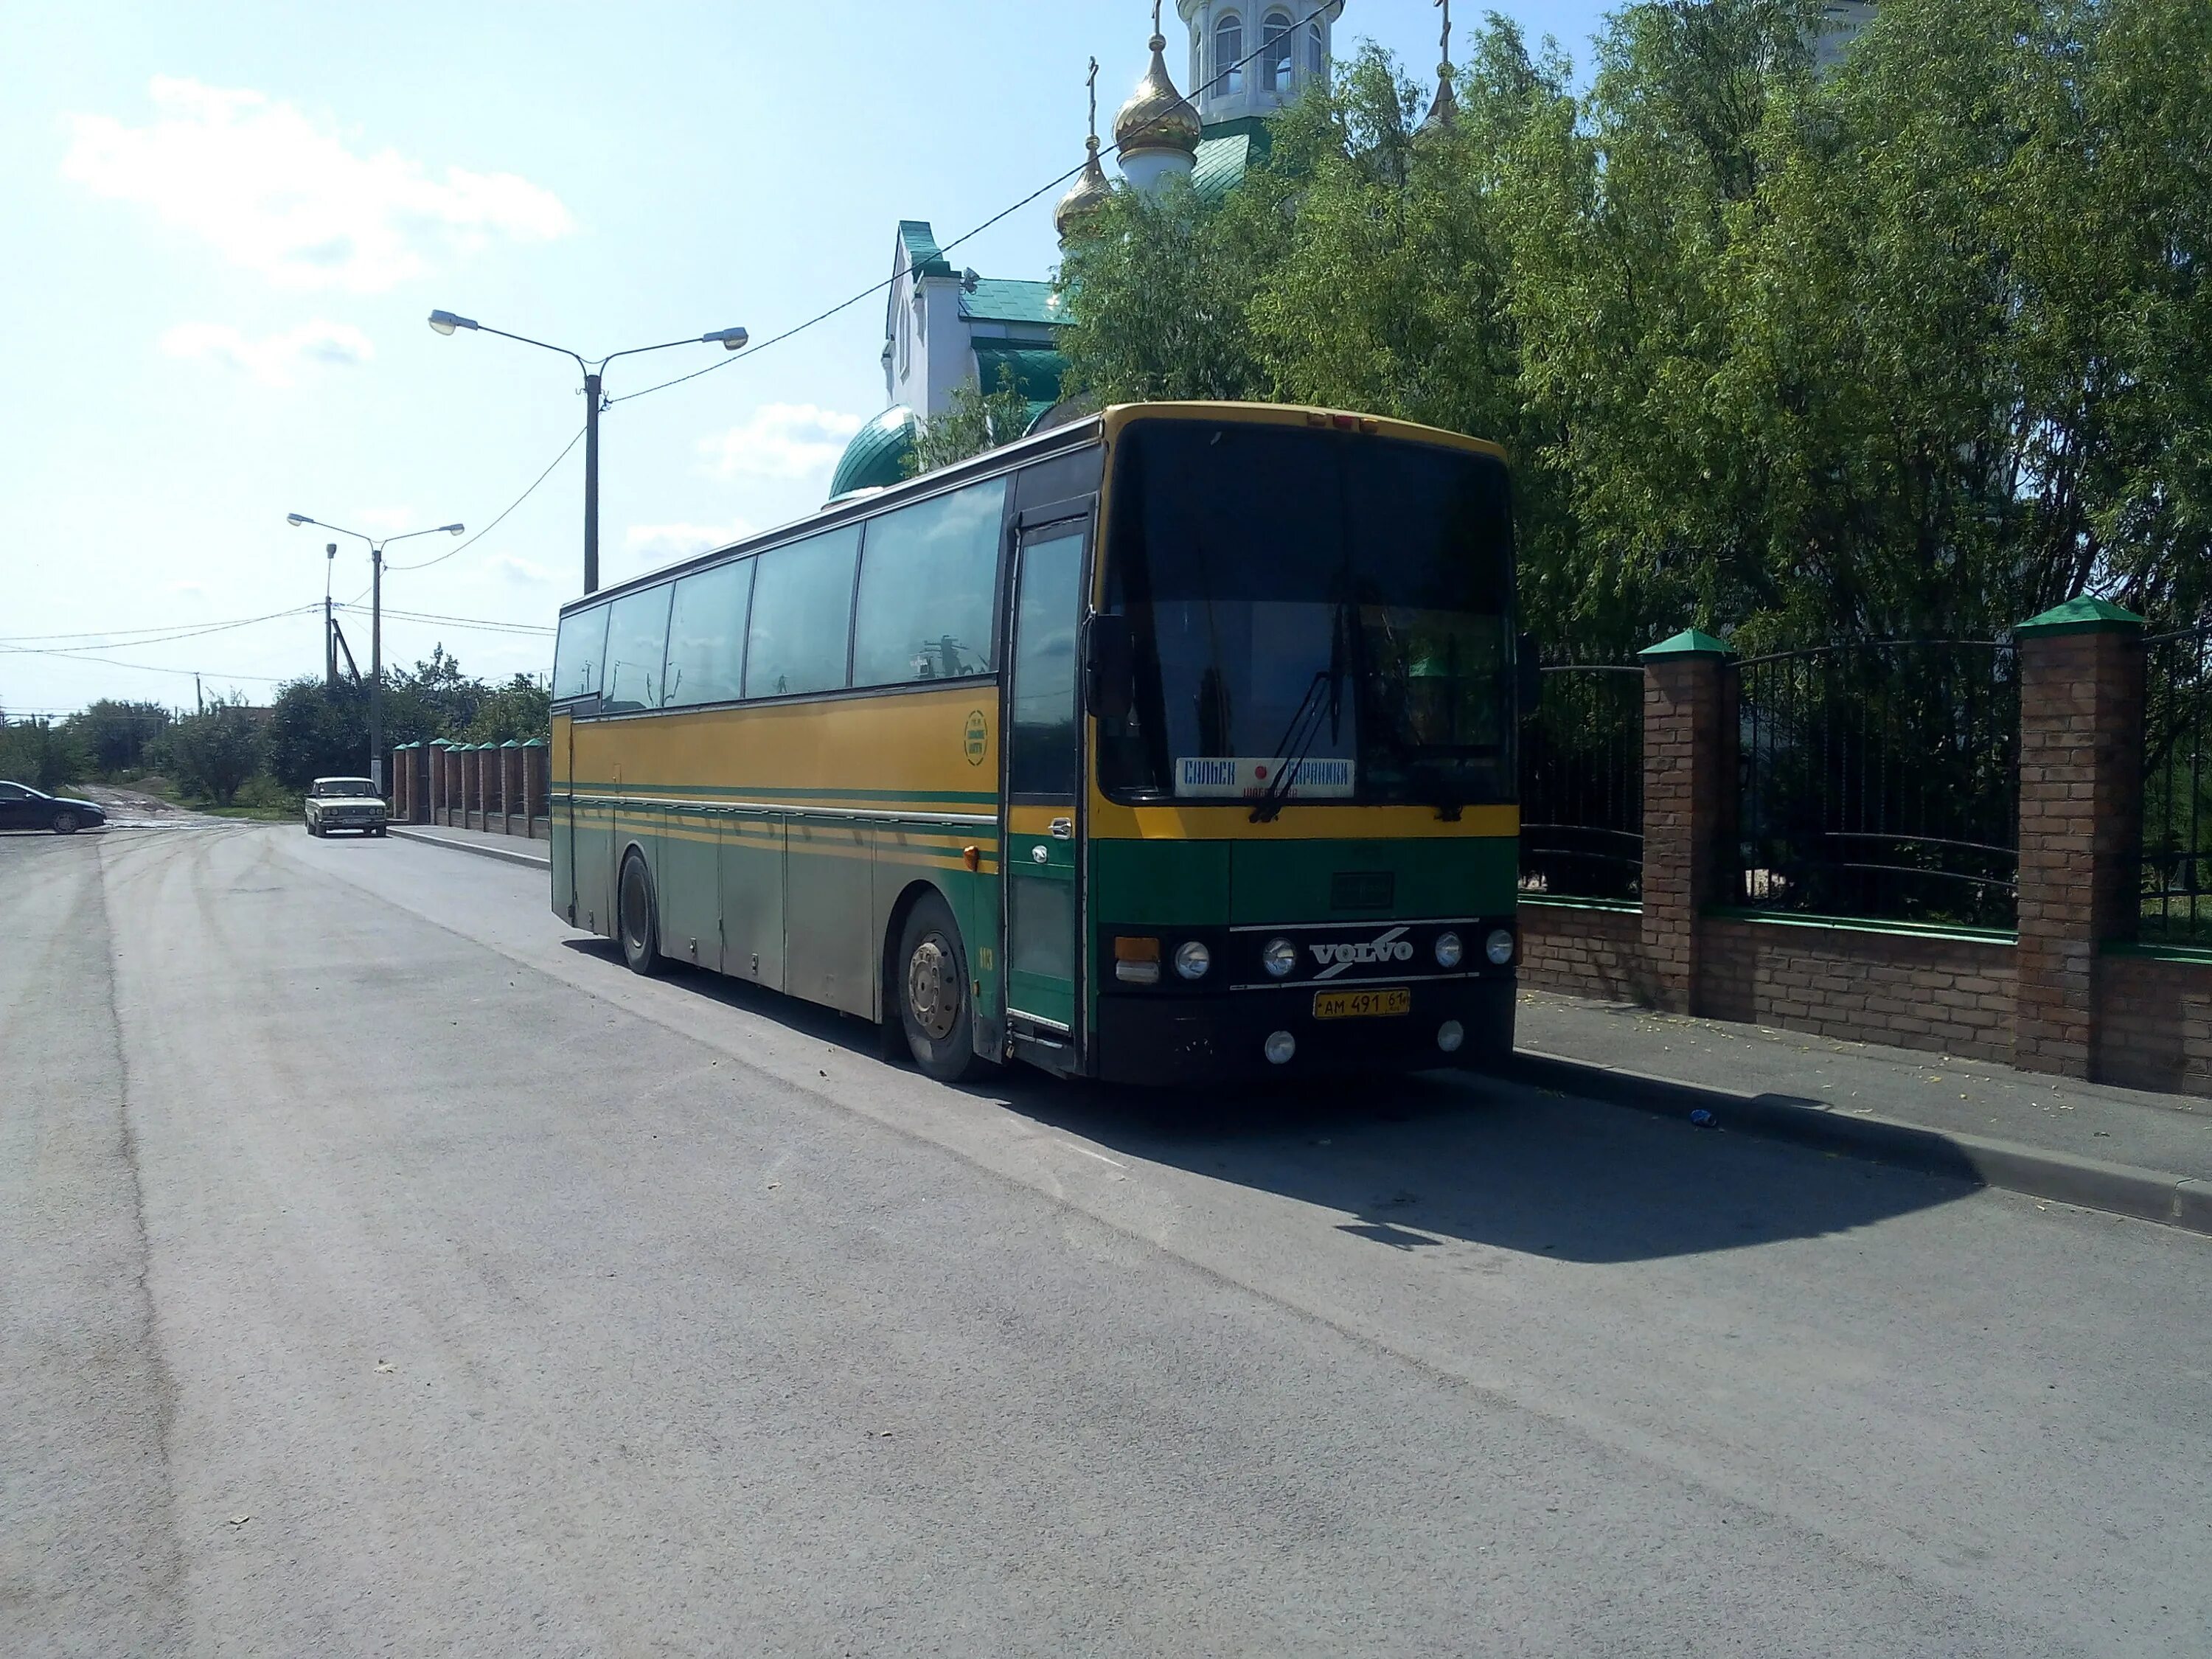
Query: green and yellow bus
<point x="1173" y="744"/>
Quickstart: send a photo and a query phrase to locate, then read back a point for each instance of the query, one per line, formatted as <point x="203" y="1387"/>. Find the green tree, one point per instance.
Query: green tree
<point x="115" y="734"/>
<point x="972" y="421"/>
<point x="517" y="711"/>
<point x="44" y="756"/>
<point x="211" y="753"/>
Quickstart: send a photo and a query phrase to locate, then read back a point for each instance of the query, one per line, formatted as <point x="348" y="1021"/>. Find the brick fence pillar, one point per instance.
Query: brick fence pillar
<point x="493" y="783"/>
<point x="512" y="799"/>
<point x="2081" y="821"/>
<point x="1689" y="797"/>
<point x="438" y="784"/>
<point x="537" y="785"/>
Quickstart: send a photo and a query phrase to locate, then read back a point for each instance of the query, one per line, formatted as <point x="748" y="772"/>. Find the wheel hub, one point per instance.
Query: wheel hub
<point x="931" y="995"/>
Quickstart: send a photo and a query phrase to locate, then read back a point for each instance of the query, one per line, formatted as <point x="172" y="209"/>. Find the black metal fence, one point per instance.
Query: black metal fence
<point x="1582" y="786"/>
<point x="2177" y="807"/>
<point x="1881" y="779"/>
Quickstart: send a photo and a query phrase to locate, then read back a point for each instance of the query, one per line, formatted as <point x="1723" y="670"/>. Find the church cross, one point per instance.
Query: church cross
<point x="1092" y="83"/>
<point x="1156" y="17"/>
<point x="1444" y="45"/>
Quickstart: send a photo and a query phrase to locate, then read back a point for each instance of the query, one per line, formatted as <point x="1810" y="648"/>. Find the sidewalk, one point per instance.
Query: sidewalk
<point x="515" y="849"/>
<point x="2108" y="1148"/>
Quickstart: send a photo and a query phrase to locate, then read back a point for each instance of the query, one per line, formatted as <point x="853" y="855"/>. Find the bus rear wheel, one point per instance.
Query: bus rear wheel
<point x="638" y="927"/>
<point x="932" y="981"/>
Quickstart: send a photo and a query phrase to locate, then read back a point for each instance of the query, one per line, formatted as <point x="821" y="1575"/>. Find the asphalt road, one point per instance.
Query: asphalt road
<point x="388" y="1270"/>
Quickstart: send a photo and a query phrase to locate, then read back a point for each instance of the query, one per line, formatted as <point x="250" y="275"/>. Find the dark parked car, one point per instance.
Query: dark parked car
<point x="22" y="808"/>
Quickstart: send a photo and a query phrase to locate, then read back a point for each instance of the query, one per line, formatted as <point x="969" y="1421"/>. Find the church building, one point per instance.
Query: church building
<point x="943" y="327"/>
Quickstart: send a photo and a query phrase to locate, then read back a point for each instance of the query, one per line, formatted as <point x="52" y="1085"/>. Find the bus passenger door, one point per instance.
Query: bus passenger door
<point x="1043" y="779"/>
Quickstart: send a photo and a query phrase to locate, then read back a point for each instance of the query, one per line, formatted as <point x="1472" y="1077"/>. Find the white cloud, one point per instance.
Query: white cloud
<point x="780" y="440"/>
<point x="650" y="544"/>
<point x="276" y="193"/>
<point x="518" y="570"/>
<point x="272" y="359"/>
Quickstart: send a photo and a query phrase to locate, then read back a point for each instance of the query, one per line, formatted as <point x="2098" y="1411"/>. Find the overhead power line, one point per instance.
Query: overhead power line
<point x="483" y="622"/>
<point x="1296" y="31"/>
<point x="132" y="638"/>
<point x="495" y="523"/>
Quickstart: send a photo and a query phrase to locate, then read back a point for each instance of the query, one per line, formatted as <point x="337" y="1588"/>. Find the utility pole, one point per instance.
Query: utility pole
<point x="591" y="483"/>
<point x="329" y="622"/>
<point x="199" y="702"/>
<point x="376" y="667"/>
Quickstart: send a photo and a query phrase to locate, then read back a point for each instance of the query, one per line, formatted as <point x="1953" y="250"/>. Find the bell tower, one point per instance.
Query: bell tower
<point x="1252" y="56"/>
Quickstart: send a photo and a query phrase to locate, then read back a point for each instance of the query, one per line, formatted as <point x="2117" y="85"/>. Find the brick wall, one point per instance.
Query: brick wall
<point x="2156" y="1024"/>
<point x="1586" y="953"/>
<point x="1948" y="996"/>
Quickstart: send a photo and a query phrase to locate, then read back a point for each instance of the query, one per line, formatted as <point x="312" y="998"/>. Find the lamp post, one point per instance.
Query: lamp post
<point x="593" y="370"/>
<point x="376" y="546"/>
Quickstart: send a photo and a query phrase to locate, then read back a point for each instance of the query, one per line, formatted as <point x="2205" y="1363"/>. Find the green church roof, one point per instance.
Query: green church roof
<point x="875" y="458"/>
<point x="1226" y="150"/>
<point x="1036" y="369"/>
<point x="1010" y="300"/>
<point x="921" y="251"/>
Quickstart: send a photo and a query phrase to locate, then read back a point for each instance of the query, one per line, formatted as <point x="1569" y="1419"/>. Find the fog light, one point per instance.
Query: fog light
<point x="1448" y="949"/>
<point x="1280" y="1046"/>
<point x="1280" y="958"/>
<point x="1450" y="1036"/>
<point x="1498" y="947"/>
<point x="1137" y="961"/>
<point x="1193" y="959"/>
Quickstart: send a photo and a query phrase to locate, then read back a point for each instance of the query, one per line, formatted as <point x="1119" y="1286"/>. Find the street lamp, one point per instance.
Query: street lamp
<point x="376" y="546"/>
<point x="730" y="339"/>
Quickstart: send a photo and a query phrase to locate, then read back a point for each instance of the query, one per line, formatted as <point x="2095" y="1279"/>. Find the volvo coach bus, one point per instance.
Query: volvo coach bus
<point x="1175" y="744"/>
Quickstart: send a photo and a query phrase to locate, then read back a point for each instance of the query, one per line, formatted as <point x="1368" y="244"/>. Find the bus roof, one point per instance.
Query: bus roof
<point x="1102" y="426"/>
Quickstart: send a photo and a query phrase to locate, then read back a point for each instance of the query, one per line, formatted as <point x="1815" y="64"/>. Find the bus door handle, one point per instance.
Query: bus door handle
<point x="1064" y="828"/>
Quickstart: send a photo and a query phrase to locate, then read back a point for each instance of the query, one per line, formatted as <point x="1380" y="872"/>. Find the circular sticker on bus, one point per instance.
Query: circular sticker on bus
<point x="977" y="738"/>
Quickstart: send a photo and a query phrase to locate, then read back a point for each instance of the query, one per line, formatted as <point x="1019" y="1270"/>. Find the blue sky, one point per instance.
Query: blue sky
<point x="228" y="223"/>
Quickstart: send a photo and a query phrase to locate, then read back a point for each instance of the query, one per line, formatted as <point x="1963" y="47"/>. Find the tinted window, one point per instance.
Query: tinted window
<point x="929" y="573"/>
<point x="637" y="640"/>
<point x="578" y="652"/>
<point x="1047" y="611"/>
<point x="707" y="636"/>
<point x="802" y="611"/>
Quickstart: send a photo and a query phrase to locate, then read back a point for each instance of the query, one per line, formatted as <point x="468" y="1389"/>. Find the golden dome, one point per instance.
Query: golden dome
<point x="1156" y="116"/>
<point x="1085" y="197"/>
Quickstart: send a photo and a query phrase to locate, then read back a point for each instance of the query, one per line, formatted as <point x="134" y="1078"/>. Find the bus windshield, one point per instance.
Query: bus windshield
<point x="1337" y="598"/>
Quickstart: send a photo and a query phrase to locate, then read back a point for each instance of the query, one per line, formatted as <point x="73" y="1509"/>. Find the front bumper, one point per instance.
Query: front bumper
<point x="1221" y="1037"/>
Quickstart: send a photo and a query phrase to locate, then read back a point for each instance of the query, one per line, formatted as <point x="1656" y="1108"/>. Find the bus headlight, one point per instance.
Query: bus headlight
<point x="1280" y="958"/>
<point x="1193" y="959"/>
<point x="1278" y="1048"/>
<point x="1448" y="949"/>
<point x="1450" y="1036"/>
<point x="1498" y="947"/>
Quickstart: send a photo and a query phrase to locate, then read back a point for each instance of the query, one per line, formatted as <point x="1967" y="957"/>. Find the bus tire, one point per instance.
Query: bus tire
<point x="637" y="921"/>
<point x="930" y="975"/>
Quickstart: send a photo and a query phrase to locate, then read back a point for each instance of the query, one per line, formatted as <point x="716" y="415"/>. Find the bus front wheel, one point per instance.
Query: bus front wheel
<point x="638" y="925"/>
<point x="932" y="992"/>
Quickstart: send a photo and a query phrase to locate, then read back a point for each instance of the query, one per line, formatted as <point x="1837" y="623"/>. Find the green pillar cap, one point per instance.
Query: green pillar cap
<point x="535" y="743"/>
<point x="510" y="744"/>
<point x="2084" y="613"/>
<point x="1690" y="643"/>
<point x="441" y="743"/>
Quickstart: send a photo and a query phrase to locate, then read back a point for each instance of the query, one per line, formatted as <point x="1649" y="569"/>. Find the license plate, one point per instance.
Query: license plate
<point x="1363" y="1005"/>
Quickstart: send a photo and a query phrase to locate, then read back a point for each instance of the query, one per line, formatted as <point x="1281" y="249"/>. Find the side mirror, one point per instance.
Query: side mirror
<point x="1529" y="674"/>
<point x="1109" y="668"/>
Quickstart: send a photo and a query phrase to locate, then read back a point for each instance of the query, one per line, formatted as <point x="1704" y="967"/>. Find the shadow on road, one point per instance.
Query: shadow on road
<point x="1544" y="1169"/>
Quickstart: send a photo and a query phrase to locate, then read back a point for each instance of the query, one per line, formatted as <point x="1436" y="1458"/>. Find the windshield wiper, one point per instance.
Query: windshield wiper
<point x="1304" y="729"/>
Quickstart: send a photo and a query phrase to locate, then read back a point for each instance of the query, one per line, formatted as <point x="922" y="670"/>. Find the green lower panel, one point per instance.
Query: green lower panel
<point x="688" y="883"/>
<point x="1201" y="884"/>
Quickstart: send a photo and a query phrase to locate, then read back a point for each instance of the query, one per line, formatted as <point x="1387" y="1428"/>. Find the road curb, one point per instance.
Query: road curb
<point x="2174" y="1200"/>
<point x="483" y="852"/>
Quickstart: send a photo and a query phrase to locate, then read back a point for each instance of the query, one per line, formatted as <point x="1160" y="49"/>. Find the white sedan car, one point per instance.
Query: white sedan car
<point x="344" y="803"/>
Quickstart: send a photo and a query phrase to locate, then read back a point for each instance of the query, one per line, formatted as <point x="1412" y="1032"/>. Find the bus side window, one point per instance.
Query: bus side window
<point x="928" y="579"/>
<point x="707" y="636"/>
<point x="637" y="643"/>
<point x="802" y="615"/>
<point x="577" y="651"/>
